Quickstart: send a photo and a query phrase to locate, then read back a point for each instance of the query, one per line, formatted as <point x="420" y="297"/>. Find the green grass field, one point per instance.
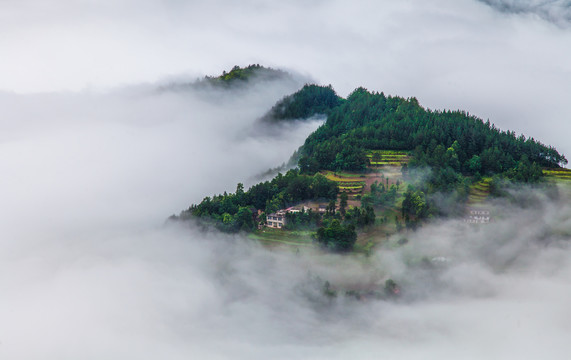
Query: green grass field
<point x="380" y="231"/>
<point x="282" y="237"/>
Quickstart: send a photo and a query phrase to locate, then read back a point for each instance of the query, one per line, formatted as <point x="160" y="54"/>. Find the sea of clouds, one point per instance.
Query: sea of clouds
<point x="91" y="168"/>
<point x="89" y="269"/>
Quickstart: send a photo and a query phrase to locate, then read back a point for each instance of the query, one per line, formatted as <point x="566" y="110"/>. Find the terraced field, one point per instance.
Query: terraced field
<point x="351" y="187"/>
<point x="561" y="177"/>
<point x="479" y="192"/>
<point x="350" y="183"/>
<point x="388" y="157"/>
<point x="558" y="174"/>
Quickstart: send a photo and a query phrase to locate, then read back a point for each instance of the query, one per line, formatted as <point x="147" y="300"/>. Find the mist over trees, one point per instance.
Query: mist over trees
<point x="237" y="77"/>
<point x="337" y="237"/>
<point x="310" y="100"/>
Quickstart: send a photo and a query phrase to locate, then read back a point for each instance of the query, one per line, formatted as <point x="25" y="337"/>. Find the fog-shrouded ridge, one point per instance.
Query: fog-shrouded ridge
<point x="509" y="66"/>
<point x="133" y="154"/>
<point x="88" y="270"/>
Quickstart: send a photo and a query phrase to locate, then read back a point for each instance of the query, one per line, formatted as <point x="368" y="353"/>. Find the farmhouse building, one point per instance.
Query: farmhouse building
<point x="276" y="220"/>
<point x="297" y="209"/>
<point x="479" y="216"/>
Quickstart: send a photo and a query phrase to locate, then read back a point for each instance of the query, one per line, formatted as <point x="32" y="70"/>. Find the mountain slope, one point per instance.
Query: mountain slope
<point x="452" y="150"/>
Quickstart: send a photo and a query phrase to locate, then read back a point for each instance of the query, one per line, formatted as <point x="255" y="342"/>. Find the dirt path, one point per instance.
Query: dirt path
<point x="381" y="174"/>
<point x="392" y="173"/>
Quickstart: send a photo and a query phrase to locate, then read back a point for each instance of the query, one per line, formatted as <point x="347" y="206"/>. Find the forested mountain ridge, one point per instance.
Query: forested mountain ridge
<point x="235" y="78"/>
<point x="310" y="100"/>
<point x="370" y="121"/>
<point x="243" y="75"/>
<point x="457" y="150"/>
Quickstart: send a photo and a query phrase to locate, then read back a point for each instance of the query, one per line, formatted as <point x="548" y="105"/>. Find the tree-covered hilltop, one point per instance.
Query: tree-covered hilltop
<point x="309" y="101"/>
<point x="439" y="139"/>
<point x="238" y="75"/>
<point x="454" y="151"/>
<point x="235" y="78"/>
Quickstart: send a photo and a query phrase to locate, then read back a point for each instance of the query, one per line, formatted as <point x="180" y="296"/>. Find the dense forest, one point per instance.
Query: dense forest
<point x="241" y="75"/>
<point x="439" y="139"/>
<point x="309" y="101"/>
<point x="235" y="78"/>
<point x="457" y="148"/>
<point x="452" y="149"/>
<point x="239" y="211"/>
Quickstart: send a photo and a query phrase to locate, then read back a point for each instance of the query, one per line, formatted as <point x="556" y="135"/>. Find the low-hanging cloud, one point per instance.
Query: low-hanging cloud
<point x="459" y="54"/>
<point x="555" y="11"/>
<point x="88" y="270"/>
<point x="177" y="292"/>
<point x="135" y="151"/>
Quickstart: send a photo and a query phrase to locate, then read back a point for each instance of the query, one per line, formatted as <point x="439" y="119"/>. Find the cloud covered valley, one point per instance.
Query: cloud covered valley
<point x="102" y="139"/>
<point x="89" y="269"/>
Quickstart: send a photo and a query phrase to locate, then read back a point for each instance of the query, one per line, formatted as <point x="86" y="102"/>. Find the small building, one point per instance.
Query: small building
<point x="292" y="210"/>
<point x="478" y="216"/>
<point x="276" y="220"/>
<point x="297" y="209"/>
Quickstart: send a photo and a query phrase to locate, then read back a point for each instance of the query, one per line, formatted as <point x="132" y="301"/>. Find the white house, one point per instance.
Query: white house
<point x="276" y="220"/>
<point x="478" y="217"/>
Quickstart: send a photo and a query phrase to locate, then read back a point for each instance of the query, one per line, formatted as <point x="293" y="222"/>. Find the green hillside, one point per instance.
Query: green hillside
<point x="236" y="78"/>
<point x="309" y="101"/>
<point x="379" y="164"/>
<point x="239" y="75"/>
<point x="372" y="121"/>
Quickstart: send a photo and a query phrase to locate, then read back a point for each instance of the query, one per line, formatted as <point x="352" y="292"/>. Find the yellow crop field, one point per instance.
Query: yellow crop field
<point x="558" y="174"/>
<point x="388" y="157"/>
